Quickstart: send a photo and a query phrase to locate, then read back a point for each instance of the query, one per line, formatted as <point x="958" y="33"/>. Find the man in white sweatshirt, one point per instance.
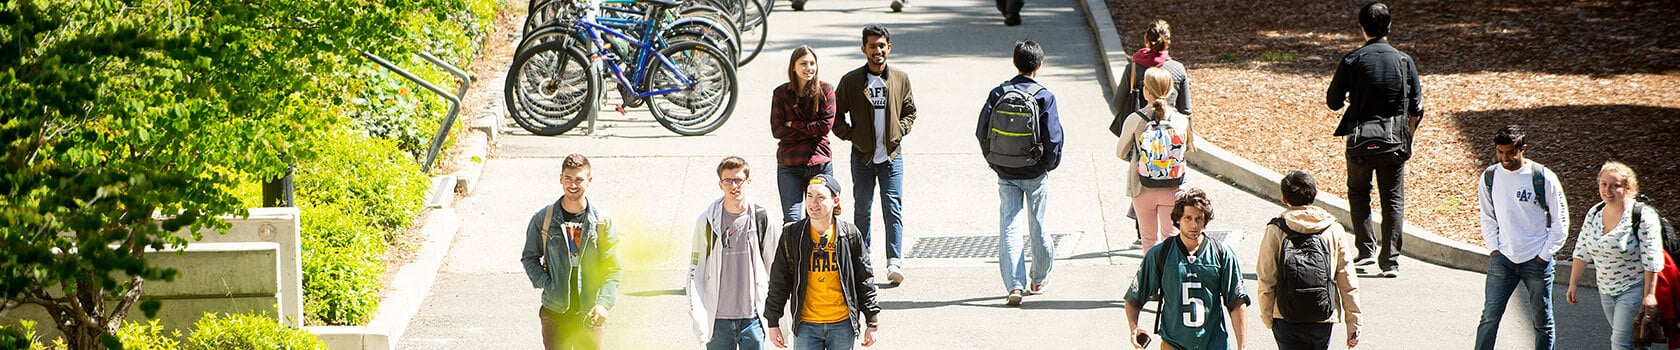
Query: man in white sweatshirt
<point x="1525" y="219"/>
<point x="734" y="242"/>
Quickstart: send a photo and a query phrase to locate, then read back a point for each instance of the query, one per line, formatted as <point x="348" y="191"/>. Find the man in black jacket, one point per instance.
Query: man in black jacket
<point x="822" y="270"/>
<point x="1385" y="104"/>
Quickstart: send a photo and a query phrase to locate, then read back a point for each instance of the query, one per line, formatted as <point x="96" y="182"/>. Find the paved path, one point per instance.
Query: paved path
<point x="655" y="183"/>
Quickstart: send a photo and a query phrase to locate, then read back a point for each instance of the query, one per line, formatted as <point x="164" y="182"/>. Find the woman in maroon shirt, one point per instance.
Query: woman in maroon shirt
<point x="801" y="114"/>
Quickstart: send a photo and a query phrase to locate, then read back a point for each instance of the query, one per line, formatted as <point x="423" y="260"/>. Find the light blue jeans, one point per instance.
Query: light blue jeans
<point x="820" y="336"/>
<point x="732" y="334"/>
<point x="1502" y="278"/>
<point x="1012" y="261"/>
<point x="1619" y="310"/>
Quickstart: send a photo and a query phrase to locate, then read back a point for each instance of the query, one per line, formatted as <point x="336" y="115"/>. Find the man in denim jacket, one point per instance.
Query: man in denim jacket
<point x="569" y="254"/>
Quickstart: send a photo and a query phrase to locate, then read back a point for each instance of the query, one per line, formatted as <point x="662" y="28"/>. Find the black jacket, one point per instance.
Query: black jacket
<point x="1379" y="81"/>
<point x="789" y="272"/>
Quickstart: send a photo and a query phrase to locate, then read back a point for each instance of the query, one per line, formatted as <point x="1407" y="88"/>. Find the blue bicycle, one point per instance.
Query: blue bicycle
<point x="689" y="85"/>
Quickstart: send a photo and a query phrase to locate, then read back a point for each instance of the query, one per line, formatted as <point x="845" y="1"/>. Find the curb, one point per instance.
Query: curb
<point x="406" y="292"/>
<point x="1420" y="244"/>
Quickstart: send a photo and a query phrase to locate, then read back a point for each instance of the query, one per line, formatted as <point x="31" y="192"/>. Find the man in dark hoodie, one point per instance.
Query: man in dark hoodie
<point x="821" y="271"/>
<point x="1021" y="137"/>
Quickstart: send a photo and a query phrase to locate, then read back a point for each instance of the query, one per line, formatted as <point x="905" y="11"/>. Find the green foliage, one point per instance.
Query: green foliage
<point x="248" y="331"/>
<point x="21" y="336"/>
<point x="1276" y="57"/>
<point x="147" y="336"/>
<point x="369" y="177"/>
<point x="341" y="266"/>
<point x="1228" y="58"/>
<point x="117" y="112"/>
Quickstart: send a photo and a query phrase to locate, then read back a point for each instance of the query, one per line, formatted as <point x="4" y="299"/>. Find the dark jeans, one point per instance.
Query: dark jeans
<point x="567" y="330"/>
<point x="1293" y="336"/>
<point x="791" y="181"/>
<point x="890" y="176"/>
<point x="1390" y="174"/>
<point x="1010" y="7"/>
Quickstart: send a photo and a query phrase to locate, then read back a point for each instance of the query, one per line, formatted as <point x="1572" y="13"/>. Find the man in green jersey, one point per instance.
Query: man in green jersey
<point x="1197" y="278"/>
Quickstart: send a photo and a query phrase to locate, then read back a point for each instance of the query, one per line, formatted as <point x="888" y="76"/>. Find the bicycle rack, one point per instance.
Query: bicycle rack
<point x="454" y="100"/>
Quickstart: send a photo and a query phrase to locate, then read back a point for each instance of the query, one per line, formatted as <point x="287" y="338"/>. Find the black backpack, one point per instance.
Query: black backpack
<point x="1306" y="282"/>
<point x="1013" y="139"/>
<point x="1670" y="239"/>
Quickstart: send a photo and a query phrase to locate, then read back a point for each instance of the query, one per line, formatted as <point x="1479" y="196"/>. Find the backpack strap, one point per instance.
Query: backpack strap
<point x="1540" y="191"/>
<point x="1160" y="277"/>
<point x="762" y="218"/>
<point x="1487" y="182"/>
<point x="548" y="217"/>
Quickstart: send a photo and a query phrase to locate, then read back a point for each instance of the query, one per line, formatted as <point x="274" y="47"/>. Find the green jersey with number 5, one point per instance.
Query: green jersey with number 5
<point x="1196" y="292"/>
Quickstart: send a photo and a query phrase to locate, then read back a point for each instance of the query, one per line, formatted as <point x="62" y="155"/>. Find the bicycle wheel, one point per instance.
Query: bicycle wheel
<point x="551" y="88"/>
<point x="703" y="107"/>
<point x="705" y="24"/>
<point x="755" y="30"/>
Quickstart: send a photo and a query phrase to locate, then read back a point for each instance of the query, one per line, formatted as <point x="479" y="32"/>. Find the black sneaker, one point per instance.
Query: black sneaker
<point x="799" y="5"/>
<point x="1012" y="20"/>
<point x="1390" y="273"/>
<point x="898" y="5"/>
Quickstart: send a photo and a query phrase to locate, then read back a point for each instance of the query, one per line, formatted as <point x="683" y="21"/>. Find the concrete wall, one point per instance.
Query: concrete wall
<point x="254" y="268"/>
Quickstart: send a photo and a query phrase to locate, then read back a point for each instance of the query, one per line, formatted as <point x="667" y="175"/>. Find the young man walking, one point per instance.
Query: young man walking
<point x="821" y="272"/>
<point x="1385" y="104"/>
<point x="570" y="254"/>
<point x="734" y="242"/>
<point x="1305" y="269"/>
<point x="1021" y="138"/>
<point x="1525" y="220"/>
<point x="1197" y="278"/>
<point x="874" y="109"/>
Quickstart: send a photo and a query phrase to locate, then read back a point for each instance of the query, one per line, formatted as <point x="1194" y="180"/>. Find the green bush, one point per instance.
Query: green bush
<point x="248" y="331"/>
<point x="341" y="266"/>
<point x="147" y="336"/>
<point x="21" y="336"/>
<point x="367" y="176"/>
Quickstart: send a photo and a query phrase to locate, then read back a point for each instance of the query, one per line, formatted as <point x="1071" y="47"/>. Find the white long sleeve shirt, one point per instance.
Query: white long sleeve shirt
<point x="1513" y="222"/>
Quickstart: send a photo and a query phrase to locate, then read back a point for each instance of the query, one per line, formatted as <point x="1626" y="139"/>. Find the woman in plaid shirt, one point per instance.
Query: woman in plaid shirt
<point x="801" y="115"/>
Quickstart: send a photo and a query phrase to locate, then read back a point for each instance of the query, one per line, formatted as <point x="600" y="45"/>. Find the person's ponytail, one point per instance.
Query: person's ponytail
<point x="1161" y="104"/>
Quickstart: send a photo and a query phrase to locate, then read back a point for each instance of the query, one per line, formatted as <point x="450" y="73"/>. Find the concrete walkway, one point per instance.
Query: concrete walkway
<point x="656" y="183"/>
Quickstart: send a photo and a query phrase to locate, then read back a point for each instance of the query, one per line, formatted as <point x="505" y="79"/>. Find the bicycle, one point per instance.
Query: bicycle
<point x="689" y="85"/>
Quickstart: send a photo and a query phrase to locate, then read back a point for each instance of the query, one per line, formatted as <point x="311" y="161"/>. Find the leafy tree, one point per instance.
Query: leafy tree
<point x="123" y="122"/>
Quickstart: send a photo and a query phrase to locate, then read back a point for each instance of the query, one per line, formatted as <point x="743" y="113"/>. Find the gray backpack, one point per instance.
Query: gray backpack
<point x="1013" y="139"/>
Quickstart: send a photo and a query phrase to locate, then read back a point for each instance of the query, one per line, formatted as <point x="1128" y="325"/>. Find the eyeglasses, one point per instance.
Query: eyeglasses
<point x="733" y="182"/>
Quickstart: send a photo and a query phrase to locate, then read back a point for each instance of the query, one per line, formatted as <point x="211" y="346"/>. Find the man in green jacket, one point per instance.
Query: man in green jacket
<point x="569" y="254"/>
<point x="874" y="109"/>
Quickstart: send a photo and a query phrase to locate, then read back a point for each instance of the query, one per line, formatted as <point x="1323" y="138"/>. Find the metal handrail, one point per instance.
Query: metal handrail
<point x="454" y="100"/>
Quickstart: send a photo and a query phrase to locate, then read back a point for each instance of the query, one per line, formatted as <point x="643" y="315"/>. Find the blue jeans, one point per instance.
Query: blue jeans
<point x="791" y="181"/>
<point x="890" y="176"/>
<point x="1620" y="310"/>
<point x="1012" y="262"/>
<point x="742" y="333"/>
<point x="818" y="336"/>
<point x="1502" y="278"/>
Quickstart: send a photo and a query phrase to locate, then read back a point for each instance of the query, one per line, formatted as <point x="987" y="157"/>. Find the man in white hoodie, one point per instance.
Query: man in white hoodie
<point x="734" y="241"/>
<point x="1525" y="220"/>
<point x="1305" y="271"/>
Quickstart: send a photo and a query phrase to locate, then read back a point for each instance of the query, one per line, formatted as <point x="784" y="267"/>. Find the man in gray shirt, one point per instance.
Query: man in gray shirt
<point x="734" y="242"/>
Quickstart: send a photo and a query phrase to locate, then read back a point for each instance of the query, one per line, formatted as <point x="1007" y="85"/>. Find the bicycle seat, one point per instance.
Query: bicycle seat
<point x="659" y="4"/>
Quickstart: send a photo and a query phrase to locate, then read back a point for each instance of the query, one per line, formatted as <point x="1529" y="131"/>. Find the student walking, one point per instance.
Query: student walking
<point x="1129" y="96"/>
<point x="728" y="279"/>
<point x="874" y="109"/>
<point x="570" y="254"/>
<point x="1305" y="269"/>
<point x="1199" y="281"/>
<point x="1624" y="240"/>
<point x="1020" y="135"/>
<point x="1155" y="141"/>
<point x="821" y="273"/>
<point x="1525" y="219"/>
<point x="801" y="116"/>
<point x="1385" y="105"/>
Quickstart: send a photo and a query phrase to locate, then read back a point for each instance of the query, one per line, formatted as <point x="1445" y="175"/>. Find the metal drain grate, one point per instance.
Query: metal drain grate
<point x="963" y="246"/>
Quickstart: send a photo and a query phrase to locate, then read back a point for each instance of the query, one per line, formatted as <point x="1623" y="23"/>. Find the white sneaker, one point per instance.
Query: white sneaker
<point x="895" y="274"/>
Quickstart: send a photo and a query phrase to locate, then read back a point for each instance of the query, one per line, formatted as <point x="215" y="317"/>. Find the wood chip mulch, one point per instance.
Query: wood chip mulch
<point x="1590" y="80"/>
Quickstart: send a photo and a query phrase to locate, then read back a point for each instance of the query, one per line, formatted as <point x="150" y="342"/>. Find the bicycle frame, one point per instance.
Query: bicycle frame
<point x="643" y="52"/>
